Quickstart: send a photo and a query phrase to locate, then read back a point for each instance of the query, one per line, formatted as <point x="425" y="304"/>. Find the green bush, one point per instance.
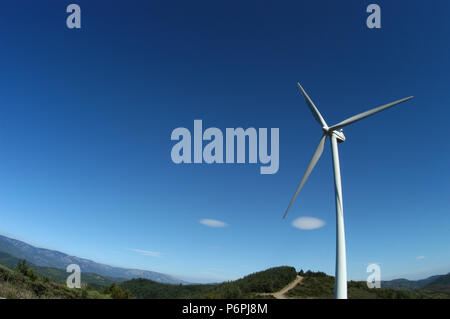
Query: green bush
<point x="23" y="268"/>
<point x="116" y="292"/>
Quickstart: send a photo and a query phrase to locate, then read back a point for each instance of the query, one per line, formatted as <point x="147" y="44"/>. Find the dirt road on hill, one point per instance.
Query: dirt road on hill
<point x="281" y="294"/>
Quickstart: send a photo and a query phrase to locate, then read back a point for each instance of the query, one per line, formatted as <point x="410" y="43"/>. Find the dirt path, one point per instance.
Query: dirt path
<point x="281" y="294"/>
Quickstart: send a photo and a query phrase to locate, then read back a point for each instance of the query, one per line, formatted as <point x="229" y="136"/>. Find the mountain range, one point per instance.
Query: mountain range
<point x="50" y="258"/>
<point x="439" y="283"/>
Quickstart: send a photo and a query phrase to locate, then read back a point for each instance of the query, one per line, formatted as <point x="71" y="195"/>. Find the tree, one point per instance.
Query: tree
<point x="116" y="292"/>
<point x="23" y="268"/>
<point x="84" y="293"/>
<point x="231" y="291"/>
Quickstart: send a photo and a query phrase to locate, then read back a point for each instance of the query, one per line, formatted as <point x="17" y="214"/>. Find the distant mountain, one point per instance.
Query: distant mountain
<point x="408" y="284"/>
<point x="60" y="275"/>
<point x="55" y="259"/>
<point x="439" y="282"/>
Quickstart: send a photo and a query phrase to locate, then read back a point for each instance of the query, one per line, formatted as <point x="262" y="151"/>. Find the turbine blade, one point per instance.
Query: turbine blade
<point x="365" y="114"/>
<point x="312" y="163"/>
<point x="312" y="107"/>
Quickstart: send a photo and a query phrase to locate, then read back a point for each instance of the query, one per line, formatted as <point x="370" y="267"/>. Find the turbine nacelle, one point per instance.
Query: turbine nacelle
<point x="339" y="135"/>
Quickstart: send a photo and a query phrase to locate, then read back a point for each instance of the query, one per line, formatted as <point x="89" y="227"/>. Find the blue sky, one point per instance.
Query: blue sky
<point x="86" y="119"/>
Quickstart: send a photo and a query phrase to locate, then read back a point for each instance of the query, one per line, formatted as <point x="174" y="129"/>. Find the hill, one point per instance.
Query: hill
<point x="439" y="284"/>
<point x="25" y="284"/>
<point x="321" y="285"/>
<point x="270" y="280"/>
<point x="59" y="275"/>
<point x="55" y="259"/>
<point x="408" y="284"/>
<point x="260" y="284"/>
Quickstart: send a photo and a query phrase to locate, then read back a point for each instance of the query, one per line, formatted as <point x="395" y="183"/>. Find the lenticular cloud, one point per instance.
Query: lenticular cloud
<point x="213" y="223"/>
<point x="308" y="223"/>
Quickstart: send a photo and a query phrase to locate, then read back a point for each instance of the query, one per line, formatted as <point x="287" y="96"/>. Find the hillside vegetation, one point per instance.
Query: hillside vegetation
<point x="320" y="285"/>
<point x="60" y="275"/>
<point x="440" y="284"/>
<point x="269" y="280"/>
<point x="22" y="282"/>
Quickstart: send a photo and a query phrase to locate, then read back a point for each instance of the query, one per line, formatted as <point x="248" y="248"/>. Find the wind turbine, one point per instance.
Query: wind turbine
<point x="336" y="136"/>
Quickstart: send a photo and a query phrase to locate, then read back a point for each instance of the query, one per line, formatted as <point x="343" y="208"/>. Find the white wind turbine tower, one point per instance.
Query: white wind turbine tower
<point x="336" y="135"/>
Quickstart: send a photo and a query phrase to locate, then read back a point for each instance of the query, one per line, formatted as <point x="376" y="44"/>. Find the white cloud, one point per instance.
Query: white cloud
<point x="308" y="223"/>
<point x="420" y="257"/>
<point x="213" y="223"/>
<point x="146" y="252"/>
